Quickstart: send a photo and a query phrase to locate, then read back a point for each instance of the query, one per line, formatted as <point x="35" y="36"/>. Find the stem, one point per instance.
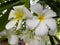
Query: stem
<point x="51" y="40"/>
<point x="57" y="39"/>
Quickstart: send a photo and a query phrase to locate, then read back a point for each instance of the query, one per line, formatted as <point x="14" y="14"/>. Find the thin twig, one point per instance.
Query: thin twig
<point x="51" y="40"/>
<point x="58" y="40"/>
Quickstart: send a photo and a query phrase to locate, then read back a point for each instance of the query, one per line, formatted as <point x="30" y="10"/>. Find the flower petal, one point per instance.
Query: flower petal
<point x="51" y="23"/>
<point x="19" y="24"/>
<point x="18" y="7"/>
<point x="11" y="24"/>
<point x="45" y="37"/>
<point x="3" y="33"/>
<point x="37" y="8"/>
<point x="11" y="14"/>
<point x="27" y="13"/>
<point x="39" y="41"/>
<point x="51" y="32"/>
<point x="41" y="30"/>
<point x="33" y="2"/>
<point x="13" y="40"/>
<point x="25" y="37"/>
<point x="32" y="23"/>
<point x="36" y="41"/>
<point x="49" y="13"/>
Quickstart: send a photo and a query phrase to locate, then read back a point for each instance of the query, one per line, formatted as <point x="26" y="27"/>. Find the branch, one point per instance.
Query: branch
<point x="51" y="40"/>
<point x="58" y="40"/>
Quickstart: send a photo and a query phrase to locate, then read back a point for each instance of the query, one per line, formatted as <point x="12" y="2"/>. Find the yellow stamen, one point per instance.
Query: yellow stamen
<point x="19" y="15"/>
<point x="41" y="18"/>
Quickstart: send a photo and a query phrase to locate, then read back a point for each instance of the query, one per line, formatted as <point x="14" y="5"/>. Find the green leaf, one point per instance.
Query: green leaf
<point x="10" y="4"/>
<point x="1" y="1"/>
<point x="58" y="1"/>
<point x="27" y="3"/>
<point x="4" y="20"/>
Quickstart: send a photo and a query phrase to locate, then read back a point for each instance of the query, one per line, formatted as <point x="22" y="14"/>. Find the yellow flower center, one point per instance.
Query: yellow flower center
<point x="19" y="15"/>
<point x="41" y="18"/>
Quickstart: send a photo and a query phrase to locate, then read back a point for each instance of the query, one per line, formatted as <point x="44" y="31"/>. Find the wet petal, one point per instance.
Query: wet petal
<point x="11" y="14"/>
<point x="49" y="13"/>
<point x="32" y="23"/>
<point x="37" y="8"/>
<point x="41" y="30"/>
<point x="13" y="40"/>
<point x="27" y="13"/>
<point x="11" y="24"/>
<point x="18" y="7"/>
<point x="3" y="33"/>
<point x="37" y="41"/>
<point x="51" y="24"/>
<point x="33" y="2"/>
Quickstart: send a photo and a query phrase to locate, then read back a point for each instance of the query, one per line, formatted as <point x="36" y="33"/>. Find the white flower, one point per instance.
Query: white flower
<point x="44" y="23"/>
<point x="13" y="40"/>
<point x="36" y="41"/>
<point x="16" y="15"/>
<point x="32" y="2"/>
<point x="31" y="39"/>
<point x="25" y="36"/>
<point x="3" y="33"/>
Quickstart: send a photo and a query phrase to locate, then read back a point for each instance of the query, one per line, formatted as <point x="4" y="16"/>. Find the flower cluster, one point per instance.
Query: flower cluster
<point x="37" y="27"/>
